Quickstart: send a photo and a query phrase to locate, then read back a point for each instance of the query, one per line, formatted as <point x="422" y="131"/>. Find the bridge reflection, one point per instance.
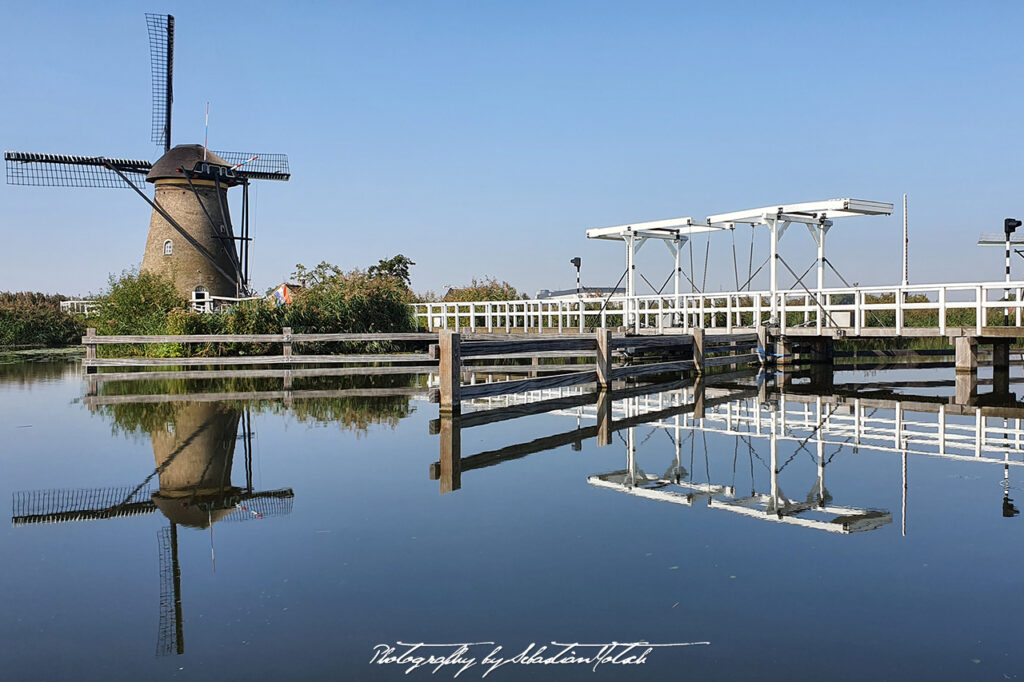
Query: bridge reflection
<point x="808" y="413"/>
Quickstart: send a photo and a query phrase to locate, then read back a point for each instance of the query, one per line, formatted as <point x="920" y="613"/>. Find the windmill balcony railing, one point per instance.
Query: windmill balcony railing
<point x="934" y="306"/>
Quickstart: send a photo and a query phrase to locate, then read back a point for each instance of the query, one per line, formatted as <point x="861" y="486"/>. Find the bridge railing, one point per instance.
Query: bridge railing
<point x="949" y="431"/>
<point x="933" y="306"/>
<point x="79" y="307"/>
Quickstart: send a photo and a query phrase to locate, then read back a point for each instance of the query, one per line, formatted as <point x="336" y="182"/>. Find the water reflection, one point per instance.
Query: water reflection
<point x="810" y="416"/>
<point x="774" y="451"/>
<point x="26" y="369"/>
<point x="135" y="401"/>
<point x="194" y="445"/>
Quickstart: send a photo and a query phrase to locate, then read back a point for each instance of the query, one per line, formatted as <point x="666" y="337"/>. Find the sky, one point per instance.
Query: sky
<point x="482" y="139"/>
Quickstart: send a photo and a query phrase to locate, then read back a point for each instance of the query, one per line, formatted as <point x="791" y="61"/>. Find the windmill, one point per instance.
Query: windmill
<point x="191" y="238"/>
<point x="193" y="465"/>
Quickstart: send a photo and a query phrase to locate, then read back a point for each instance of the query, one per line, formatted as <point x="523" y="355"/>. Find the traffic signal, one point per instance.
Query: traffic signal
<point x="1009" y="225"/>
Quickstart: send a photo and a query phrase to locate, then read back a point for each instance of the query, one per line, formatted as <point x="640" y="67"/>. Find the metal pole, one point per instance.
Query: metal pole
<point x="1006" y="291"/>
<point x="906" y="245"/>
<point x="904" y="514"/>
<point x="821" y="258"/>
<point x="676" y="278"/>
<point x="630" y="281"/>
<point x="773" y="270"/>
<point x="245" y="232"/>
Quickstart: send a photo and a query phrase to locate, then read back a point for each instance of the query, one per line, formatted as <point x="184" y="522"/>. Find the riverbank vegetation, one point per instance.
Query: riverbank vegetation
<point x="329" y="301"/>
<point x="35" y="320"/>
<point x="356" y="413"/>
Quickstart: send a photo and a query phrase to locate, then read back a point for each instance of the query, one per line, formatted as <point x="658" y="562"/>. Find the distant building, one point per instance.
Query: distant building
<point x="585" y="292"/>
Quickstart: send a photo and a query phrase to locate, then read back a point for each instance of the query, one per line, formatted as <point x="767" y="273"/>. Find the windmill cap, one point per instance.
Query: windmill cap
<point x="197" y="512"/>
<point x="182" y="156"/>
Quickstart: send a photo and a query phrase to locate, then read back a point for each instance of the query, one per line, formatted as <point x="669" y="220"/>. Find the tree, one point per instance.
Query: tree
<point x="397" y="267"/>
<point x="320" y="274"/>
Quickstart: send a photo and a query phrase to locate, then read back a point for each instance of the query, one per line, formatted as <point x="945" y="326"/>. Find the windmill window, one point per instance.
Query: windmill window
<point x="168" y="247"/>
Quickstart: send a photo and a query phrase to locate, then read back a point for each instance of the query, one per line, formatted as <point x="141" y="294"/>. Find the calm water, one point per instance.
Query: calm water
<point x="254" y="538"/>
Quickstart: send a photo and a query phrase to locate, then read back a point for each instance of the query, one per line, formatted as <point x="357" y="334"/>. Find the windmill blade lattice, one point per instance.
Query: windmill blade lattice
<point x="258" y="166"/>
<point x="170" y="638"/>
<point x="262" y="505"/>
<point x="64" y="170"/>
<point x="161" y="58"/>
<point x="86" y="504"/>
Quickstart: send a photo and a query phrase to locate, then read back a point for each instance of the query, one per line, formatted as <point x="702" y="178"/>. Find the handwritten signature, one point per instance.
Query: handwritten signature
<point x="459" y="657"/>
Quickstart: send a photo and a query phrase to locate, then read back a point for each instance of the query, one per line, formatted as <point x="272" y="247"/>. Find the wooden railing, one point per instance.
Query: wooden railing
<point x="602" y="345"/>
<point x="92" y="341"/>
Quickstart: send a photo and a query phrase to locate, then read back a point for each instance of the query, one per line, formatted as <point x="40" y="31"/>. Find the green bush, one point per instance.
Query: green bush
<point x="354" y="302"/>
<point x="32" y="319"/>
<point x="486" y="289"/>
<point x="142" y="303"/>
<point x="137" y="303"/>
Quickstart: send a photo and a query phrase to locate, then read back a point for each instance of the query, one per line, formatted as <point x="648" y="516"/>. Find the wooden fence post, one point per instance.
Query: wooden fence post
<point x="90" y="350"/>
<point x="604" y="418"/>
<point x="966" y="354"/>
<point x="450" y="472"/>
<point x="286" y="346"/>
<point x="762" y="344"/>
<point x="698" y="349"/>
<point x="698" y="398"/>
<point x="604" y="358"/>
<point x="784" y="351"/>
<point x="450" y="369"/>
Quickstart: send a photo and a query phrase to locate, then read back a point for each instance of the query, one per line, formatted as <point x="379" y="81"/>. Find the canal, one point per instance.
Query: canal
<point x="864" y="528"/>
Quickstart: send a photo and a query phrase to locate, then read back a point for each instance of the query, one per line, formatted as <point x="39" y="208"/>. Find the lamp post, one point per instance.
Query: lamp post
<point x="1009" y="226"/>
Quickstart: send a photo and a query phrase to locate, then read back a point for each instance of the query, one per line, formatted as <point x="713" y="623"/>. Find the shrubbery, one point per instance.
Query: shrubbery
<point x="486" y="289"/>
<point x="29" y="319"/>
<point x="332" y="301"/>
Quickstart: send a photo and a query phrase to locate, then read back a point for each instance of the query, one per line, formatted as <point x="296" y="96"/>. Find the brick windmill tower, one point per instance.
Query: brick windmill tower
<point x="191" y="238"/>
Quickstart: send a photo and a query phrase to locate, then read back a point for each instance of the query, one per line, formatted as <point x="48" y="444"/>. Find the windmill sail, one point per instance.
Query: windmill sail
<point x="161" y="57"/>
<point x="258" y="166"/>
<point x="170" y="638"/>
<point x="31" y="507"/>
<point x="65" y="170"/>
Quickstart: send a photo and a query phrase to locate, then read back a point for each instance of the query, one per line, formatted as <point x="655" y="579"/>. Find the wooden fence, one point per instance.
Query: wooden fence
<point x="452" y="356"/>
<point x="92" y="341"/>
<point x="452" y="352"/>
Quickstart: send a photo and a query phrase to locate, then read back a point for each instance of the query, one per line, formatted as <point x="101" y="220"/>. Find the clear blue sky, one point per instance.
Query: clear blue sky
<point x="484" y="138"/>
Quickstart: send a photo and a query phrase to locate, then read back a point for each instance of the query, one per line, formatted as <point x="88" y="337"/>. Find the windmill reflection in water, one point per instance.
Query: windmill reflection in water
<point x="193" y="452"/>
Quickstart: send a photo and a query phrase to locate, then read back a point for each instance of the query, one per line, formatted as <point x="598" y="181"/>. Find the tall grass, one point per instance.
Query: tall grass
<point x="141" y="303"/>
<point x="35" y="320"/>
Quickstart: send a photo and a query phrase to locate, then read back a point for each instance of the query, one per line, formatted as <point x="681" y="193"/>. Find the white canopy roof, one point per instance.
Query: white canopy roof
<point x="671" y="229"/>
<point x="807" y="212"/>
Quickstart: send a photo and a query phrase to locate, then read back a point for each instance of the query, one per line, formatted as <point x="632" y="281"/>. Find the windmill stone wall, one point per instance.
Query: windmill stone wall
<point x="185" y="265"/>
<point x="193" y="454"/>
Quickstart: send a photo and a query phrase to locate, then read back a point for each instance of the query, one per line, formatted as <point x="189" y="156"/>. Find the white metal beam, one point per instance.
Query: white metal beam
<point x="658" y="229"/>
<point x="810" y="211"/>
